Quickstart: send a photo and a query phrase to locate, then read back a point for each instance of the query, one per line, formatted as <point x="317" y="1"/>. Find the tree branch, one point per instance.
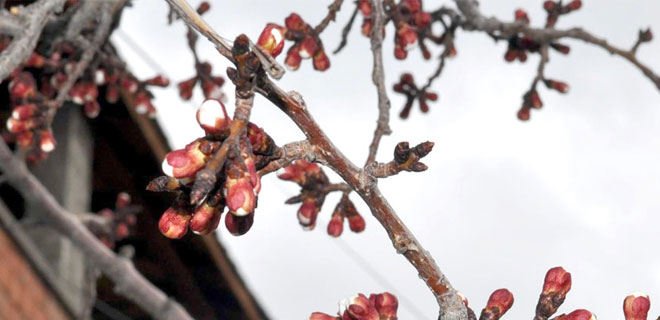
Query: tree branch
<point x="128" y="281"/>
<point x="475" y="20"/>
<point x="378" y="77"/>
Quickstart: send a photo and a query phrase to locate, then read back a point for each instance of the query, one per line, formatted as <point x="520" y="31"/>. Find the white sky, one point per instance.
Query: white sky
<point x="502" y="202"/>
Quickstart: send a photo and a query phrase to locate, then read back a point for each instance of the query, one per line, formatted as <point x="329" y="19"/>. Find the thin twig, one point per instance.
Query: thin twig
<point x="346" y="30"/>
<point x="332" y="14"/>
<point x="378" y="77"/>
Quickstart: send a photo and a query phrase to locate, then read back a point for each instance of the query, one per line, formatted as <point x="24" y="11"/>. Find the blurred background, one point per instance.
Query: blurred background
<point x="503" y="200"/>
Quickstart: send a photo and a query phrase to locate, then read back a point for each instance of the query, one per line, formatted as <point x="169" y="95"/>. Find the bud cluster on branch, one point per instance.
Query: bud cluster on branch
<point x="111" y="226"/>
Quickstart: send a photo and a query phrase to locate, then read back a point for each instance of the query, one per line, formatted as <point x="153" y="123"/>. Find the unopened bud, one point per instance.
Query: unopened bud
<point x="46" y="141"/>
<point x="272" y="39"/>
<point x="159" y="81"/>
<point x="238" y="225"/>
<point x="321" y="61"/>
<point x="174" y="222"/>
<point x="212" y="117"/>
<point x="636" y="306"/>
<point x="499" y="303"/>
<point x="92" y="109"/>
<point x="579" y="314"/>
<point x="386" y="304"/>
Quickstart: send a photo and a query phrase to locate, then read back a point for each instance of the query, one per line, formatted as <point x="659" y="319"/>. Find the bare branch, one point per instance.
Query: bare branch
<point x="128" y="281"/>
<point x="332" y="14"/>
<point x="378" y="77"/>
<point x="35" y="18"/>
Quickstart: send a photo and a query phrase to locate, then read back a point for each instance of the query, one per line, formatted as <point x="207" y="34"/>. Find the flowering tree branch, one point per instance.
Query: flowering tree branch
<point x="128" y="281"/>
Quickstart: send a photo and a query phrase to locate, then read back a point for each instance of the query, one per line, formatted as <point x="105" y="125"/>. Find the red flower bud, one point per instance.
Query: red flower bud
<point x="159" y="81"/>
<point x="358" y="308"/>
<point x="186" y="88"/>
<point x="321" y="61"/>
<point x="307" y="47"/>
<point x="557" y="280"/>
<point x="14" y="125"/>
<point x="636" y="306"/>
<point x="123" y="200"/>
<point x="422" y="19"/>
<point x="238" y="226"/>
<point x="143" y="103"/>
<point x="579" y="314"/>
<point x="46" y="141"/>
<point x="412" y="5"/>
<point x="129" y="84"/>
<point x="574" y="5"/>
<point x="272" y="39"/>
<point x="386" y="304"/>
<point x="521" y="15"/>
<point x="523" y="114"/>
<point x="366" y="27"/>
<point x="212" y="117"/>
<point x="356" y="222"/>
<point x="561" y="48"/>
<point x="294" y="22"/>
<point x="241" y="199"/>
<point x="92" y="109"/>
<point x="212" y="90"/>
<point x="112" y="94"/>
<point x="184" y="163"/>
<point x="534" y="100"/>
<point x="174" y="222"/>
<point x="25" y="138"/>
<point x="549" y="5"/>
<point x="293" y="58"/>
<point x="322" y="316"/>
<point x="499" y="303"/>
<point x="308" y="212"/>
<point x="406" y="35"/>
<point x="203" y="7"/>
<point x="557" y="85"/>
<point x="35" y="61"/>
<point x="205" y="219"/>
<point x="399" y="52"/>
<point x="22" y="86"/>
<point x="510" y="55"/>
<point x="336" y="224"/>
<point x="24" y="111"/>
<point x="365" y="7"/>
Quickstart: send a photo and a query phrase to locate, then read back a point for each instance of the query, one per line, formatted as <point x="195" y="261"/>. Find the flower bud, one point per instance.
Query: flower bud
<point x="112" y="94"/>
<point x="308" y="212"/>
<point x="356" y="222"/>
<point x="174" y="222"/>
<point x="92" y="109"/>
<point x="212" y="117"/>
<point x="579" y="314"/>
<point x="25" y="138"/>
<point x="557" y="85"/>
<point x="534" y="100"/>
<point x="499" y="303"/>
<point x="386" y="304"/>
<point x="212" y="90"/>
<point x="422" y="19"/>
<point x="206" y="218"/>
<point x="406" y="36"/>
<point x="203" y="7"/>
<point x="366" y="27"/>
<point x="336" y="224"/>
<point x="321" y="61"/>
<point x="143" y="103"/>
<point x="549" y="5"/>
<point x="100" y="77"/>
<point x="358" y="308"/>
<point x="322" y="316"/>
<point x="561" y="48"/>
<point x="521" y="15"/>
<point x="399" y="52"/>
<point x="557" y="280"/>
<point x="574" y="5"/>
<point x="241" y="199"/>
<point x="186" y="88"/>
<point x="239" y="225"/>
<point x="22" y="86"/>
<point x="294" y="22"/>
<point x="35" y="61"/>
<point x="46" y="141"/>
<point x="184" y="163"/>
<point x="15" y="126"/>
<point x="123" y="200"/>
<point x="24" y="111"/>
<point x="272" y="39"/>
<point x="645" y="35"/>
<point x="129" y="84"/>
<point x="636" y="306"/>
<point x="524" y="114"/>
<point x="159" y="81"/>
<point x="293" y="58"/>
<point x="510" y="55"/>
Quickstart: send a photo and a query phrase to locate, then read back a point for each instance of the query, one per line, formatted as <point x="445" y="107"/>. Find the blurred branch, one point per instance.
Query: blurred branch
<point x="128" y="281"/>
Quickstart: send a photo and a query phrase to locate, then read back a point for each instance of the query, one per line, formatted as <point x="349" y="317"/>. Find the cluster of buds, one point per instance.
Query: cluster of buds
<point x="407" y="87"/>
<point x="345" y="210"/>
<point x="111" y="226"/>
<point x="531" y="100"/>
<point x="211" y="85"/>
<point x="85" y="92"/>
<point x="555" y="287"/>
<point x="412" y="24"/>
<point x="236" y="188"/>
<point x="306" y="43"/>
<point x="381" y="306"/>
<point x="520" y="45"/>
<point x="556" y="8"/>
<point x="313" y="182"/>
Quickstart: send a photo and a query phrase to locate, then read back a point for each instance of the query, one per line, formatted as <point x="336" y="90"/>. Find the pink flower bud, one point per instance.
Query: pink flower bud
<point x="307" y="213"/>
<point x="112" y="94"/>
<point x="143" y="103"/>
<point x="366" y="27"/>
<point x="24" y="111"/>
<point x="336" y="224"/>
<point x="549" y="5"/>
<point x="636" y="306"/>
<point x="535" y="101"/>
<point x="159" y="81"/>
<point x="129" y="84"/>
<point x="22" y="86"/>
<point x="399" y="52"/>
<point x="499" y="303"/>
<point x="523" y="114"/>
<point x="92" y="109"/>
<point x="321" y="61"/>
<point x="174" y="222"/>
<point x="123" y="200"/>
<point x="238" y="226"/>
<point x="356" y="222"/>
<point x="186" y="88"/>
<point x="358" y="308"/>
<point x="212" y="117"/>
<point x="406" y="36"/>
<point x="557" y="280"/>
<point x="365" y="7"/>
<point x="521" y="15"/>
<point x="412" y="5"/>
<point x="579" y="314"/>
<point x="184" y="163"/>
<point x="322" y="316"/>
<point x="293" y="58"/>
<point x="212" y="90"/>
<point x="14" y="125"/>
<point x="307" y="47"/>
<point x="46" y="141"/>
<point x="510" y="55"/>
<point x="422" y="19"/>
<point x="294" y="22"/>
<point x="205" y="219"/>
<point x="241" y="199"/>
<point x="557" y="85"/>
<point x="386" y="304"/>
<point x="574" y="5"/>
<point x="203" y="7"/>
<point x="272" y="39"/>
<point x="25" y="138"/>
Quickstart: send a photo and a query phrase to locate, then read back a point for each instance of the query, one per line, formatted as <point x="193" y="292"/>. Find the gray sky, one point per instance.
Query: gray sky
<point x="502" y="201"/>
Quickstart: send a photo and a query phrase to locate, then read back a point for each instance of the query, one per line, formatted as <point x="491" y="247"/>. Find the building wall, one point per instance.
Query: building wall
<point x="22" y="293"/>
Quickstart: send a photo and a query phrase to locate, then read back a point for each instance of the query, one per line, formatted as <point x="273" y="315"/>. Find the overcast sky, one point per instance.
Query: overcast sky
<point x="502" y="201"/>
